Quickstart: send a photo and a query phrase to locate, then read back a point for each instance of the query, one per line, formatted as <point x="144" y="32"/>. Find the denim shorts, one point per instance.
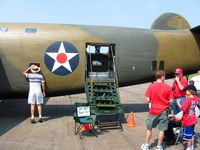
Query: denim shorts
<point x="175" y="108"/>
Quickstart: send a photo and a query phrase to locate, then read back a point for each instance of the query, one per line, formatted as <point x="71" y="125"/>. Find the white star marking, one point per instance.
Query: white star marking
<point x="65" y="57"/>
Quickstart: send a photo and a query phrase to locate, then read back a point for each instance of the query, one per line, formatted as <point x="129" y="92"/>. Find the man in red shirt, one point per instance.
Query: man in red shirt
<point x="179" y="83"/>
<point x="160" y="96"/>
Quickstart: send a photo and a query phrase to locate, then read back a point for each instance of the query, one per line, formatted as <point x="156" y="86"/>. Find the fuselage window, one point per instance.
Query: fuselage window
<point x="34" y="63"/>
<point x="3" y="29"/>
<point x="154" y="65"/>
<point x="161" y="65"/>
<point x="31" y="30"/>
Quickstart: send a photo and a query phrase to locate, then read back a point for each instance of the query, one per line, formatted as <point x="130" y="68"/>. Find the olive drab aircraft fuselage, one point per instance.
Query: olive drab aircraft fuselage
<point x="61" y="51"/>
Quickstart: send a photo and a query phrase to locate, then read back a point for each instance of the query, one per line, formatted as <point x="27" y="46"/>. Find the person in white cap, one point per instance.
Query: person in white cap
<point x="36" y="93"/>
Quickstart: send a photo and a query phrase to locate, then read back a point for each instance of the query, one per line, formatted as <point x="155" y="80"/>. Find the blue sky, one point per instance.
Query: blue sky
<point x="126" y="13"/>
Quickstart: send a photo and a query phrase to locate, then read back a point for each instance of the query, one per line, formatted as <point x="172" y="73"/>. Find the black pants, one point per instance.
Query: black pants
<point x="169" y="136"/>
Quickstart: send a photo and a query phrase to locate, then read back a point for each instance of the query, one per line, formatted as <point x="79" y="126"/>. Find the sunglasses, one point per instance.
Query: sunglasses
<point x="176" y="74"/>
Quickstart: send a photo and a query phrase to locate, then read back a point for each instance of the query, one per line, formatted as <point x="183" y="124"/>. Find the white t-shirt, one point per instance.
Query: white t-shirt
<point x="35" y="81"/>
<point x="196" y="80"/>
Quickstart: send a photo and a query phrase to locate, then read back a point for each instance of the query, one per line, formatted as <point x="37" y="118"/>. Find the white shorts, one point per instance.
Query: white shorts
<point x="35" y="98"/>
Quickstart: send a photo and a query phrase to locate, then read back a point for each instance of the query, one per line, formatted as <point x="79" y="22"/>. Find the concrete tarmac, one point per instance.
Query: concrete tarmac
<point x="57" y="130"/>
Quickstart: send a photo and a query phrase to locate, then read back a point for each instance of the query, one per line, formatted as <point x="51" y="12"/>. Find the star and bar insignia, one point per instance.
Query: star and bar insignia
<point x="61" y="58"/>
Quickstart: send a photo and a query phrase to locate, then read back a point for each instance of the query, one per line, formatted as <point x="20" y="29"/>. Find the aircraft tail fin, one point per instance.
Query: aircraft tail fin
<point x="170" y="21"/>
<point x="196" y="33"/>
<point x="195" y="29"/>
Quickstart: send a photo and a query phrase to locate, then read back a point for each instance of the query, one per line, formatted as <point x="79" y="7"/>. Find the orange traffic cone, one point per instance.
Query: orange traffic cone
<point x="131" y="121"/>
<point x="86" y="127"/>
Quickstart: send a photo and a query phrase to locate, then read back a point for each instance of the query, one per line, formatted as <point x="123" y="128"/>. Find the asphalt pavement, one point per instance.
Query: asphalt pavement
<point x="57" y="130"/>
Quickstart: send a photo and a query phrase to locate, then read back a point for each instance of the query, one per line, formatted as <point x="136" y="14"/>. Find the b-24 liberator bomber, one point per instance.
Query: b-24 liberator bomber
<point x="69" y="54"/>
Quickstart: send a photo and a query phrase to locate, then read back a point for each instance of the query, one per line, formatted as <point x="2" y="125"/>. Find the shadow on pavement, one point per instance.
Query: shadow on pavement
<point x="14" y="112"/>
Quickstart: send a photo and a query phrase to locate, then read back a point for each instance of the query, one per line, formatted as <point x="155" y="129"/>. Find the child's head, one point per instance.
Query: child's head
<point x="190" y="90"/>
<point x="191" y="82"/>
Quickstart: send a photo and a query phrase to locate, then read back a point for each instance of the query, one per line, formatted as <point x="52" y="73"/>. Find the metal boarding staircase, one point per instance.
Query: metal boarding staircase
<point x="101" y="89"/>
<point x="103" y="96"/>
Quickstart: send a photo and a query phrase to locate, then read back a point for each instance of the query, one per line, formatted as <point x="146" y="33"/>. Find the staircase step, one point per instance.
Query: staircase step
<point x="106" y="105"/>
<point x="104" y="99"/>
<point x="103" y="96"/>
<point x="103" y="90"/>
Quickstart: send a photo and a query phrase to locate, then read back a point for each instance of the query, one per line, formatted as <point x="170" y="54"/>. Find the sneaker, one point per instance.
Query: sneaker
<point x="192" y="147"/>
<point x="40" y="120"/>
<point x="145" y="147"/>
<point x="189" y="148"/>
<point x="32" y="120"/>
<point x="159" y="147"/>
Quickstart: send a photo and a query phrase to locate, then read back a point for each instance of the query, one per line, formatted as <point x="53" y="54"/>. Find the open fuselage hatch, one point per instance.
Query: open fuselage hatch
<point x="100" y="61"/>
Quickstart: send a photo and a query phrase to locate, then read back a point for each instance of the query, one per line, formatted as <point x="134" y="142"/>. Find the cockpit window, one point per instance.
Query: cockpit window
<point x="31" y="30"/>
<point x="3" y="29"/>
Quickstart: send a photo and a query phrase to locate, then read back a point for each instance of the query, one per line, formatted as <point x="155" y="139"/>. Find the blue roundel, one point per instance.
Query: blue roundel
<point x="61" y="58"/>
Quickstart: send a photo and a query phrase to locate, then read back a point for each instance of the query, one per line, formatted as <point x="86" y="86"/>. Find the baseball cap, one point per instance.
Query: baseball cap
<point x="190" y="87"/>
<point x="178" y="71"/>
